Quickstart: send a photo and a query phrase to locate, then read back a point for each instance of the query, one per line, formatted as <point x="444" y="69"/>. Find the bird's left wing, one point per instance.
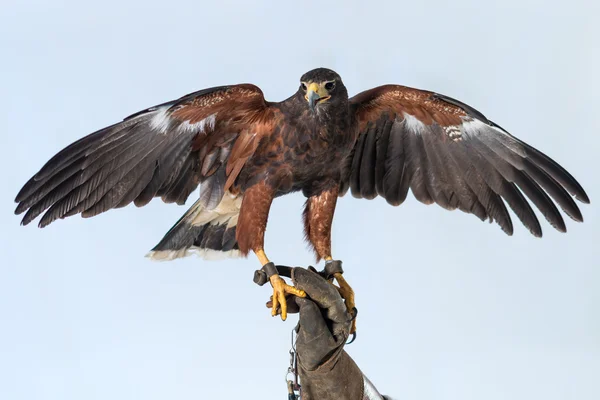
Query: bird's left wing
<point x="449" y="153"/>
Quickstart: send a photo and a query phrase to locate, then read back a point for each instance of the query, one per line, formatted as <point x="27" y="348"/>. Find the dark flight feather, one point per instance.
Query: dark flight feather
<point x="356" y="163"/>
<point x="382" y="143"/>
<point x="367" y="172"/>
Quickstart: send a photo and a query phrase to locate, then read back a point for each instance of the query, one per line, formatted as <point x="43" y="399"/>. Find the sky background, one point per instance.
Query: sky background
<point x="450" y="307"/>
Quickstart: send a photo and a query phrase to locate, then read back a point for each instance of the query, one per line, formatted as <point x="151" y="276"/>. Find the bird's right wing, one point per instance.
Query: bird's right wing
<point x="165" y="151"/>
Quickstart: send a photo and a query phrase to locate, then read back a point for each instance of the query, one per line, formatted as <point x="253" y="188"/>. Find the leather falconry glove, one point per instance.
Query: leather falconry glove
<point x="326" y="371"/>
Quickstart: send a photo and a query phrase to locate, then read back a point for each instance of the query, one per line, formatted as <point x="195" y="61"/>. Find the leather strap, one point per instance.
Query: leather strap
<point x="261" y="276"/>
<point x="332" y="267"/>
<point x="270" y="269"/>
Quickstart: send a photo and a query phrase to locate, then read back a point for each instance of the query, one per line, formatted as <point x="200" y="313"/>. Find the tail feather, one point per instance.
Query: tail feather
<point x="209" y="234"/>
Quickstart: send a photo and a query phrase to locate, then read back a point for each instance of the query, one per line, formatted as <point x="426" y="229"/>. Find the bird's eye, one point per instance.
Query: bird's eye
<point x="330" y="85"/>
<point x="303" y="86"/>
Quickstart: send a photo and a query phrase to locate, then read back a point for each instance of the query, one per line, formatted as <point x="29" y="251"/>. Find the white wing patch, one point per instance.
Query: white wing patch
<point x="161" y="120"/>
<point x="413" y="124"/>
<point x="491" y="135"/>
<point x="199" y="126"/>
<point x="473" y="127"/>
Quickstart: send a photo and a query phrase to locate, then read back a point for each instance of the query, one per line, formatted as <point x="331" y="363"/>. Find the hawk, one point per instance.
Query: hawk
<point x="244" y="152"/>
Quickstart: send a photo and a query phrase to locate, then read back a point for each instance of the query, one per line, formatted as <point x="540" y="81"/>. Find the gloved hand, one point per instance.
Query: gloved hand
<point x="326" y="370"/>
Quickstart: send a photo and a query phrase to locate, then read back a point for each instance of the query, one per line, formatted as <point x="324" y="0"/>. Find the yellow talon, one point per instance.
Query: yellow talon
<point x="280" y="288"/>
<point x="348" y="295"/>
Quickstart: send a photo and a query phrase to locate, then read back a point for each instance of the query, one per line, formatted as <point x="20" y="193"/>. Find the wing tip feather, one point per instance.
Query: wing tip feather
<point x="582" y="197"/>
<point x="538" y="233"/>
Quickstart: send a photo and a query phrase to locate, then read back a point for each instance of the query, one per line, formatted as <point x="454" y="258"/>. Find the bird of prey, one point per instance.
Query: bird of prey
<point x="244" y="152"/>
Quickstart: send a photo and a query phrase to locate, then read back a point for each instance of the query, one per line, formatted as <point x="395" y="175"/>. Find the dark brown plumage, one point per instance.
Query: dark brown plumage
<point x="245" y="151"/>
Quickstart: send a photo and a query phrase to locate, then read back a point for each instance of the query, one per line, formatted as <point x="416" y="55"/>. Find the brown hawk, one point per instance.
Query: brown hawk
<point x="245" y="151"/>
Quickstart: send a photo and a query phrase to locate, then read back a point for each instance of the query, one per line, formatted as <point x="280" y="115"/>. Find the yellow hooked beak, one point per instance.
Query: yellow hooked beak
<point x="316" y="93"/>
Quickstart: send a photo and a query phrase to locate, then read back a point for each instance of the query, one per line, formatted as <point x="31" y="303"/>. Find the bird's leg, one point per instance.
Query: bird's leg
<point x="318" y="219"/>
<point x="280" y="288"/>
<point x="250" y="234"/>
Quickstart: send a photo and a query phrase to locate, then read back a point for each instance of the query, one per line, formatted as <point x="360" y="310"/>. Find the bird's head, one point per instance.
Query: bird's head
<point x="322" y="88"/>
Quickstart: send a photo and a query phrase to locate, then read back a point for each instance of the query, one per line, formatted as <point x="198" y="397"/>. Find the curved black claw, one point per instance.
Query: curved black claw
<point x="354" y="315"/>
<point x="353" y="339"/>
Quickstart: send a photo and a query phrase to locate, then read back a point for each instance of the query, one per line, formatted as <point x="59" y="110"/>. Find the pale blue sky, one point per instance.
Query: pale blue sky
<point x="450" y="307"/>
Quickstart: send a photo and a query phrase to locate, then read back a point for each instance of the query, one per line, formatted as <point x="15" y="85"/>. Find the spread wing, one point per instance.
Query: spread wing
<point x="166" y="150"/>
<point x="449" y="153"/>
